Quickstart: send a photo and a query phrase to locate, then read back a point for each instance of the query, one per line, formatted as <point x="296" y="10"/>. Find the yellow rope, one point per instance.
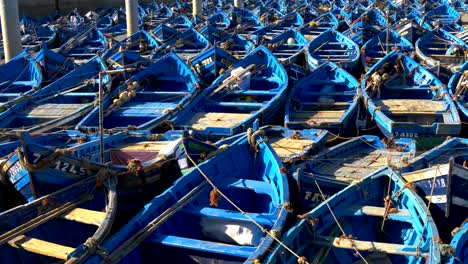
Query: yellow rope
<point x="240" y="210"/>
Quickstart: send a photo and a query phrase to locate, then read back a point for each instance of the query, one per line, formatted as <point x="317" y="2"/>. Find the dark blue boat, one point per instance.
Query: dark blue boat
<point x="377" y="220"/>
<point x="186" y="45"/>
<point x="62" y="102"/>
<point x="18" y="78"/>
<point x="459" y="244"/>
<point x="187" y="226"/>
<point x="34" y="233"/>
<point x="255" y="88"/>
<point x="382" y="44"/>
<point x="148" y="98"/>
<point x="457" y="87"/>
<point x="442" y="15"/>
<point x="235" y="44"/>
<point x="406" y="100"/>
<point x="319" y="25"/>
<point x="327" y="98"/>
<point x="180" y="23"/>
<point x="335" y="47"/>
<point x="219" y="20"/>
<point x="440" y="51"/>
<point x="245" y="22"/>
<point x="346" y="163"/>
<point x="212" y="63"/>
<point x="140" y="42"/>
<point x="287" y="46"/>
<point x="53" y="65"/>
<point x="369" y="24"/>
<point x="85" y="45"/>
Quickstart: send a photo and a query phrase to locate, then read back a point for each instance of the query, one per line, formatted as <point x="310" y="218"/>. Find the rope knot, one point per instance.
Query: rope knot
<point x="302" y="260"/>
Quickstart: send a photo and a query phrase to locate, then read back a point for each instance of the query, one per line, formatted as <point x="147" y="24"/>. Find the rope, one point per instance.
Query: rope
<point x="336" y="220"/>
<point x="219" y="192"/>
<point x="427" y="210"/>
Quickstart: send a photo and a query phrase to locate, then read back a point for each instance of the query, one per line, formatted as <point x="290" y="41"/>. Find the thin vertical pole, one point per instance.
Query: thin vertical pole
<point x="10" y="28"/>
<point x="101" y="120"/>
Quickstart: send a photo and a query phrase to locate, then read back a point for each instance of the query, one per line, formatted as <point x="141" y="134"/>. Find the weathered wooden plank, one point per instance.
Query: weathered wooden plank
<point x="85" y="216"/>
<point x="202" y="120"/>
<point x="411" y="105"/>
<point x="41" y="247"/>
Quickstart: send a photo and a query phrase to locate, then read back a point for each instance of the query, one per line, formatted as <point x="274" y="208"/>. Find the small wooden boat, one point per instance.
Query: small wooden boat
<point x="369" y="24"/>
<point x="180" y="23"/>
<point x="18" y="78"/>
<point x="60" y="103"/>
<point x="235" y="44"/>
<point x="443" y="186"/>
<point x="53" y="65"/>
<point x="442" y="15"/>
<point x="33" y="38"/>
<point x="84" y="46"/>
<point x="458" y="89"/>
<point x="335" y="47"/>
<point x="349" y="162"/>
<point x="326" y="98"/>
<point x="453" y="29"/>
<point x="255" y="88"/>
<point x="67" y="225"/>
<point x="290" y="21"/>
<point x="406" y="100"/>
<point x="219" y="20"/>
<point x="440" y="51"/>
<point x="154" y="19"/>
<point x="382" y="44"/>
<point x="412" y="27"/>
<point x="459" y="244"/>
<point x="212" y="63"/>
<point x="140" y="42"/>
<point x="143" y="163"/>
<point x="287" y="46"/>
<point x="319" y="25"/>
<point x="245" y="22"/>
<point x="148" y="98"/>
<point x="186" y="45"/>
<point x="185" y="225"/>
<point x="164" y="33"/>
<point x="378" y="220"/>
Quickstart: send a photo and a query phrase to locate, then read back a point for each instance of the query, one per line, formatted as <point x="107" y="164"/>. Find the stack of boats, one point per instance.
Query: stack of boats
<point x="272" y="132"/>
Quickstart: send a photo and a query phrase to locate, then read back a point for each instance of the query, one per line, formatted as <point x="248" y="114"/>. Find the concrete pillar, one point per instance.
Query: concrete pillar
<point x="10" y="28"/>
<point x="197" y="8"/>
<point x="238" y="3"/>
<point x="131" y="10"/>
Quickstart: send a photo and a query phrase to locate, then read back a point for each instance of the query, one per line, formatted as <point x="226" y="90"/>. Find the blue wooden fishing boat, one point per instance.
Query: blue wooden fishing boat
<point x="255" y="88"/>
<point x="453" y="29"/>
<point x="440" y="51"/>
<point x="457" y="87"/>
<point x="333" y="46"/>
<point x="287" y="46"/>
<point x="84" y="46"/>
<point x="219" y="20"/>
<point x="18" y="78"/>
<point x="442" y="15"/>
<point x="186" y="45"/>
<point x="124" y="59"/>
<point x="245" y="22"/>
<point x="347" y="163"/>
<point x="64" y="226"/>
<point x="290" y="21"/>
<point x="369" y="24"/>
<point x="327" y="98"/>
<point x="212" y="63"/>
<point x="143" y="163"/>
<point x="53" y="65"/>
<point x="235" y="44"/>
<point x="154" y="19"/>
<point x="404" y="99"/>
<point x="459" y="244"/>
<point x="60" y="103"/>
<point x="148" y="98"/>
<point x="377" y="220"/>
<point x="33" y="38"/>
<point x="443" y="168"/>
<point x="382" y="44"/>
<point x="411" y="27"/>
<point x="164" y="33"/>
<point x="187" y="226"/>
<point x="180" y="23"/>
<point x="319" y="25"/>
<point x="140" y="42"/>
